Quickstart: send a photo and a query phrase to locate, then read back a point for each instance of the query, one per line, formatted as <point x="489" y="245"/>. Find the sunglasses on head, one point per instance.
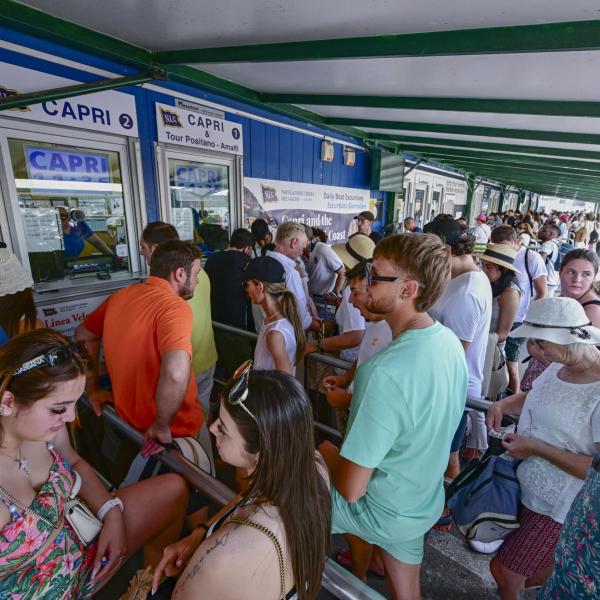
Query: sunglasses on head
<point x="239" y="390"/>
<point x="55" y="357"/>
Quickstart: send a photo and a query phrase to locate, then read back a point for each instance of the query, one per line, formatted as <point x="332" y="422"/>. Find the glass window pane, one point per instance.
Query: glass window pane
<point x="72" y="209"/>
<point x="200" y="200"/>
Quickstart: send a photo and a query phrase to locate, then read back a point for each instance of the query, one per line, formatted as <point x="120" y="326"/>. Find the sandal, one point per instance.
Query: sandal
<point x="344" y="558"/>
<point x="445" y="522"/>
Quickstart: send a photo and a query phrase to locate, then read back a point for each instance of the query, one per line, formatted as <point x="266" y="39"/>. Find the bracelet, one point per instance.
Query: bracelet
<point x="319" y="347"/>
<point x="109" y="505"/>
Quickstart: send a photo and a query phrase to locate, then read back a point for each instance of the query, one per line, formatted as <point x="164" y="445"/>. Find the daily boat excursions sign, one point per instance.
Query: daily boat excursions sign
<point x="329" y="208"/>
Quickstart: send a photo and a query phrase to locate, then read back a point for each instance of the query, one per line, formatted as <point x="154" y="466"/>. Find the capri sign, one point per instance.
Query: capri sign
<point x="196" y="130"/>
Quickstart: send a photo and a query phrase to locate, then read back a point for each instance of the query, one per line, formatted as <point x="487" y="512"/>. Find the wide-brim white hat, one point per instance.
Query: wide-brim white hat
<point x="559" y="320"/>
<point x="13" y="277"/>
<point x="358" y="248"/>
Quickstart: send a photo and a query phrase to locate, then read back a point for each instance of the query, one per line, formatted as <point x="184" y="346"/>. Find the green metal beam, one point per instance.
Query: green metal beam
<point x="197" y="78"/>
<point x="525" y="134"/>
<point x="489" y="146"/>
<point x="548" y="37"/>
<point x="23" y="100"/>
<point x="561" y="108"/>
<point x="504" y="159"/>
<point x="496" y="156"/>
<point x="526" y="167"/>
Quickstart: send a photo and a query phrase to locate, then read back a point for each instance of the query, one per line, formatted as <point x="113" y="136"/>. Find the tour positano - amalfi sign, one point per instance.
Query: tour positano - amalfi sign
<point x="197" y="130"/>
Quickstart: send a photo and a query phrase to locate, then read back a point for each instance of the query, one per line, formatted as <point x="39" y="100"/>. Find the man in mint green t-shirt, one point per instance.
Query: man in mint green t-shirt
<point x="407" y="403"/>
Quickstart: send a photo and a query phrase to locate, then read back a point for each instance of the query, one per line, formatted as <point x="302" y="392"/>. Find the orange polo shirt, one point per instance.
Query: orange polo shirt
<point x="138" y="325"/>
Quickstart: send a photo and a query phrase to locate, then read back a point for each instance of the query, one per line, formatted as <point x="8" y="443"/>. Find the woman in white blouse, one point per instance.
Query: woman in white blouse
<point x="559" y="432"/>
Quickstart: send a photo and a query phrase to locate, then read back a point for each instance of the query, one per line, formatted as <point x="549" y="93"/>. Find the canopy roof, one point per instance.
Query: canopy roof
<point x="504" y="90"/>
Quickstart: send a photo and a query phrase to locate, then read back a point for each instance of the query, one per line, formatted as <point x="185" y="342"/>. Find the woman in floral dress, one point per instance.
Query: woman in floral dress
<point x="41" y="554"/>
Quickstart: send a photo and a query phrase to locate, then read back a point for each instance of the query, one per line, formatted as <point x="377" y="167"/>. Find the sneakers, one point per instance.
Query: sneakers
<point x="485" y="547"/>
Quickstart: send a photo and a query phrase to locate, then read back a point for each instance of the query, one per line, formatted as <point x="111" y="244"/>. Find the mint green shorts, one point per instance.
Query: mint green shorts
<point x="357" y="519"/>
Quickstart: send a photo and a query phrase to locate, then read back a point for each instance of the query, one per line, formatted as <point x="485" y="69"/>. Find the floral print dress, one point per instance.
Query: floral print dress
<point x="577" y="558"/>
<point x="62" y="570"/>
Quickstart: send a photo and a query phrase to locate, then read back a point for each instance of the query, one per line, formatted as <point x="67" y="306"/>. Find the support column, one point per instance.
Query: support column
<point x="501" y="199"/>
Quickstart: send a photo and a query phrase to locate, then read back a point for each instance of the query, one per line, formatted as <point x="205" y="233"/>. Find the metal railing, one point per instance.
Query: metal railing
<point x="481" y="405"/>
<point x="336" y="580"/>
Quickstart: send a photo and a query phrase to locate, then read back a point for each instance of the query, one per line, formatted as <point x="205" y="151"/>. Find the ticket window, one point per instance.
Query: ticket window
<point x="72" y="209"/>
<point x="200" y="199"/>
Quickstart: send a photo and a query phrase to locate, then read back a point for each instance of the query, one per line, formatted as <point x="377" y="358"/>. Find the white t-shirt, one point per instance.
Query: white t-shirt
<point x="566" y="416"/>
<point x="378" y="337"/>
<point x="465" y="307"/>
<point x="348" y="318"/>
<point x="323" y="265"/>
<point x="263" y="359"/>
<point x="482" y="233"/>
<point x="293" y="282"/>
<point x="537" y="269"/>
<point x="550" y="248"/>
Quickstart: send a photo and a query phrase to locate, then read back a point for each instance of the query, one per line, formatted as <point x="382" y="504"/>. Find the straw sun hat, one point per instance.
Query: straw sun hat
<point x="500" y="254"/>
<point x="13" y="277"/>
<point x="358" y="248"/>
<point x="559" y="320"/>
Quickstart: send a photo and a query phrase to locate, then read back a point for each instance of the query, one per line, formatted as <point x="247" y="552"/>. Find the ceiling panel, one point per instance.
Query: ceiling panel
<point x="179" y="24"/>
<point x="511" y="121"/>
<point x="533" y="76"/>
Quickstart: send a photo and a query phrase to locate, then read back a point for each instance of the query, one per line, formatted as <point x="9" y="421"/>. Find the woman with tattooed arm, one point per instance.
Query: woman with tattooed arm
<point x="271" y="542"/>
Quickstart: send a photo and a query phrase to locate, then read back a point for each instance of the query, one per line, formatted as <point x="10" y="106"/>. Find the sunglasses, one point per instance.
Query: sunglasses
<point x="371" y="277"/>
<point x="55" y="357"/>
<point x="538" y="342"/>
<point x="239" y="390"/>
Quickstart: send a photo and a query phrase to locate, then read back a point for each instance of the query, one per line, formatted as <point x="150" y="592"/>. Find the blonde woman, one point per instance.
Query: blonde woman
<point x="281" y="340"/>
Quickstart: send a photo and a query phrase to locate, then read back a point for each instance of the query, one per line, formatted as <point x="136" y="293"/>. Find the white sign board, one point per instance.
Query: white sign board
<point x="195" y="130"/>
<point x="66" y="316"/>
<point x="327" y="207"/>
<point x="108" y="112"/>
<point x="42" y="229"/>
<point x="183" y="221"/>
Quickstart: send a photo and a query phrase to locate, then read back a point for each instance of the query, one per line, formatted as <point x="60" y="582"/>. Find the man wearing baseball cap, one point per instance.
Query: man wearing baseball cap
<point x="365" y="223"/>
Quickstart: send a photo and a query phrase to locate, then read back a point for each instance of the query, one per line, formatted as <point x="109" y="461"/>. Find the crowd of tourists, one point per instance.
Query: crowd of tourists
<point x="428" y="320"/>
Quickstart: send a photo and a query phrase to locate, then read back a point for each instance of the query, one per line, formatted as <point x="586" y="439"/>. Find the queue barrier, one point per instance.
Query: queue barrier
<point x="336" y="580"/>
<point x="481" y="405"/>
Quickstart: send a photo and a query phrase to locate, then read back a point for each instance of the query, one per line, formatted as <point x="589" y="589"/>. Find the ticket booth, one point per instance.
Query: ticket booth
<point x="70" y="196"/>
<point x="199" y="161"/>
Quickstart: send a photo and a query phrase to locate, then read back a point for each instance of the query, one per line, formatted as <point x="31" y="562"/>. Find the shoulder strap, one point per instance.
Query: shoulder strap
<point x="528" y="271"/>
<point x="591" y="302"/>
<point x="275" y="541"/>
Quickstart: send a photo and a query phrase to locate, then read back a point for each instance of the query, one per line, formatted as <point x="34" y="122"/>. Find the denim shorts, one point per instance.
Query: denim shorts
<point x="513" y="345"/>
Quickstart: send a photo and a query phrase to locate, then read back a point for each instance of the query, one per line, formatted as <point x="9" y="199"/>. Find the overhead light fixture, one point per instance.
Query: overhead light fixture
<point x="349" y="156"/>
<point x="327" y="151"/>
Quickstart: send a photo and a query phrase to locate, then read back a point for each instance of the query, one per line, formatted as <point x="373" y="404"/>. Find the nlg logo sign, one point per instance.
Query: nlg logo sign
<point x="8" y="93"/>
<point x="170" y="118"/>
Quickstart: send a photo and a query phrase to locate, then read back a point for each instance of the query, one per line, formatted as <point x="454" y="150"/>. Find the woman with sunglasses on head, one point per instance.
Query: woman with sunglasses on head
<point x="578" y="272"/>
<point x="271" y="542"/>
<point x="281" y="339"/>
<point x="45" y="551"/>
<point x="558" y="434"/>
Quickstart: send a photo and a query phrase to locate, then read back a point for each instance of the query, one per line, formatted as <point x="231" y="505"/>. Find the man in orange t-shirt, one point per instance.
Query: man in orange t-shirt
<point x="146" y="334"/>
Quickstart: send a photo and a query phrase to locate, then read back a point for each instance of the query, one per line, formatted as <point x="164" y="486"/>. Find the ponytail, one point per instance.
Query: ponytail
<point x="289" y="309"/>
